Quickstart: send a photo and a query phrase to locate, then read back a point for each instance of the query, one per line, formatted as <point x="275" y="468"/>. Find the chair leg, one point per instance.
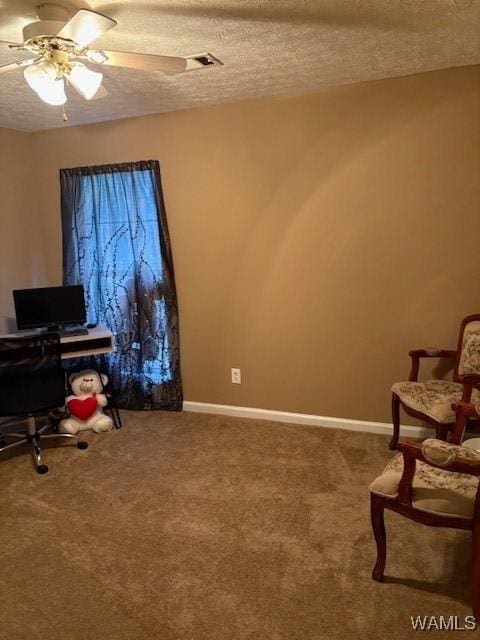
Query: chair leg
<point x="377" y="506"/>
<point x="395" y="421"/>
<point x="37" y="456"/>
<point x="475" y="572"/>
<point x="42" y="430"/>
<point x="81" y="444"/>
<point x="18" y="443"/>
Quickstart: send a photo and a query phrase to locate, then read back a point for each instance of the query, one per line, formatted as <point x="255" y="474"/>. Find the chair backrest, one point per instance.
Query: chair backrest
<point x="468" y="349"/>
<point x="32" y="379"/>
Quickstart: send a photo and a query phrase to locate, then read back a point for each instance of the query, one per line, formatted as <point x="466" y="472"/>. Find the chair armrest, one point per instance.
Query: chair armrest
<point x="448" y="457"/>
<point x="432" y="353"/>
<point x="416" y="354"/>
<point x="466" y="409"/>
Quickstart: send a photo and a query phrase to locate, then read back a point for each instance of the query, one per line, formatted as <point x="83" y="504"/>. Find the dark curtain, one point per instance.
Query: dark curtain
<point x="116" y="243"/>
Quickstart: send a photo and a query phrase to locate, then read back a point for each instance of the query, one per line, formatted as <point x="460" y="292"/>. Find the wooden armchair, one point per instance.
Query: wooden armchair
<point x="435" y="483"/>
<point x="431" y="401"/>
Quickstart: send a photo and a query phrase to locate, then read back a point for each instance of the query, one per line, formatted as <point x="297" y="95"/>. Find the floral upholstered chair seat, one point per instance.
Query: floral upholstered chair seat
<point x="434" y="490"/>
<point x="433" y="398"/>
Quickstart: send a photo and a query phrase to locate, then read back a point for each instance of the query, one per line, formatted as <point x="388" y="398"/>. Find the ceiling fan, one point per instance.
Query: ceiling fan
<point x="60" y="46"/>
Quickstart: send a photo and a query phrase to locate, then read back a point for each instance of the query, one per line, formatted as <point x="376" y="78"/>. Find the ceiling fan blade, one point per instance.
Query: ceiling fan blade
<point x="4" y="44"/>
<point x="166" y="64"/>
<point x="101" y="93"/>
<point x="17" y="65"/>
<point x="85" y="27"/>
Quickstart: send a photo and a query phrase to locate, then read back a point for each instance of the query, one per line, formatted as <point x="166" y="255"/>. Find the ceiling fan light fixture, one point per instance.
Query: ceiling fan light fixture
<point x="54" y="93"/>
<point x="37" y="75"/>
<point x="85" y="81"/>
<point x="57" y="42"/>
<point x="42" y="78"/>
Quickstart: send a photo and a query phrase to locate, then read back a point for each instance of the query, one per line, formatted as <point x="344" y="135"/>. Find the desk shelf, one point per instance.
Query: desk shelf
<point x="98" y="341"/>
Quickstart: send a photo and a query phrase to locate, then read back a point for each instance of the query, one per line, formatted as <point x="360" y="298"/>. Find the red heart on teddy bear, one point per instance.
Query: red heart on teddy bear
<point x="82" y="409"/>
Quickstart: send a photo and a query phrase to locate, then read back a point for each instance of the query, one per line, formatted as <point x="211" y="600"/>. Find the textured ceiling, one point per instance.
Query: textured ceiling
<point x="269" y="47"/>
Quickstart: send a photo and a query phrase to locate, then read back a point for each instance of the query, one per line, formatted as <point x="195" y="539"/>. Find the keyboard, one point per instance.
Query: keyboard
<point x="70" y="333"/>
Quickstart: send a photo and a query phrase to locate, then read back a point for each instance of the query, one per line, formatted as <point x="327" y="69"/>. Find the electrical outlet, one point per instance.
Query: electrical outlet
<point x="236" y="376"/>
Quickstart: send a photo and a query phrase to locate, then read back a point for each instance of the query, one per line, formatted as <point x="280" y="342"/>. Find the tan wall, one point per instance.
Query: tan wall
<point x="21" y="256"/>
<point x="316" y="239"/>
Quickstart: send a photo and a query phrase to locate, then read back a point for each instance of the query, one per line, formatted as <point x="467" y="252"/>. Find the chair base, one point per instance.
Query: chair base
<point x="33" y="438"/>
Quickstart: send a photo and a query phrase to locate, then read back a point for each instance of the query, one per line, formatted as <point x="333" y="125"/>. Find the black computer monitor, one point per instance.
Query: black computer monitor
<point x="51" y="307"/>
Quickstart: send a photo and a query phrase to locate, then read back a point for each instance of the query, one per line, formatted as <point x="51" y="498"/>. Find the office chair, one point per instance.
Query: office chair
<point x="32" y="383"/>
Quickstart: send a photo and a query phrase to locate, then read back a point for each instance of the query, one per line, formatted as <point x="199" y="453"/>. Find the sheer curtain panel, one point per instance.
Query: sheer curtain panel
<point x="116" y="243"/>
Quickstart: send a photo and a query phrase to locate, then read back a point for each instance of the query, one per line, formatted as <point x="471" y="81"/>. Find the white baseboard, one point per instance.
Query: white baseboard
<point x="348" y="424"/>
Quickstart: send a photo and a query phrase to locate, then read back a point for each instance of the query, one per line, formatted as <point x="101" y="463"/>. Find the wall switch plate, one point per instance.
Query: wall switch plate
<point x="236" y="376"/>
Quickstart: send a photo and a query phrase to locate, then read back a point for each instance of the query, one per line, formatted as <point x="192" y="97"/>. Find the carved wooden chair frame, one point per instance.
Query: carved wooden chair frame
<point x="468" y="381"/>
<point x="403" y="503"/>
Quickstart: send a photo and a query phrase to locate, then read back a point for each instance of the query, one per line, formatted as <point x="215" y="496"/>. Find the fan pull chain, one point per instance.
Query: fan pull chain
<point x="64" y="114"/>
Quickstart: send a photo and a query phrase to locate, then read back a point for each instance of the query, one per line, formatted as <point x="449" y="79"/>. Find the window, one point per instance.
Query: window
<point x="116" y="244"/>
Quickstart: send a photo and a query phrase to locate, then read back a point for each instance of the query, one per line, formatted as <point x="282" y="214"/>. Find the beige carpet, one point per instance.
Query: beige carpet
<point x="197" y="527"/>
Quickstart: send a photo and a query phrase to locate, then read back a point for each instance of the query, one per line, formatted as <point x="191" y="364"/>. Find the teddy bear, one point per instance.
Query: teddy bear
<point x="86" y="403"/>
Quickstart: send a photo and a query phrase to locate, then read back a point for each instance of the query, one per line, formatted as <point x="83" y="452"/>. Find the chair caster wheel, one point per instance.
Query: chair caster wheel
<point x="82" y="444"/>
<point x="42" y="468"/>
